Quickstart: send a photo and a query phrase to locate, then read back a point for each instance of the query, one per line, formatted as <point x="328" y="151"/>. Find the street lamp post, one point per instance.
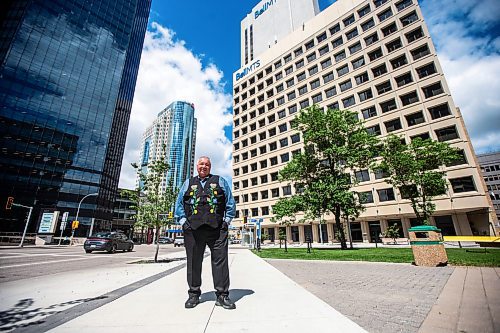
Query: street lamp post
<point x="78" y="212"/>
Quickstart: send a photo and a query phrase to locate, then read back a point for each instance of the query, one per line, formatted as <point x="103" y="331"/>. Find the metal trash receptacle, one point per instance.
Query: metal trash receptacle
<point x="427" y="246"/>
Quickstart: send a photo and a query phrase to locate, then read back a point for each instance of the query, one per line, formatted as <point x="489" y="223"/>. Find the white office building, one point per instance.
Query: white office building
<point x="374" y="57"/>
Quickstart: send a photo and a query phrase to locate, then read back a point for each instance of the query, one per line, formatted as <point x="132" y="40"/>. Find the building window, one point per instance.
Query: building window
<point x="371" y="39"/>
<point x="404" y="79"/>
<point x="281" y="100"/>
<point x="331" y="92"/>
<point x="285" y="157"/>
<point x="321" y="37"/>
<point x="313" y="70"/>
<point x="334" y="106"/>
<point x="303" y="90"/>
<point x="337" y="42"/>
<point x="304" y="104"/>
<point x="369" y="112"/>
<point x="426" y="70"/>
<point x="288" y="70"/>
<point x="375" y="54"/>
<point x="374" y="130"/>
<point x="390" y="29"/>
<point x="342" y="70"/>
<point x="279" y="88"/>
<point x="272" y="132"/>
<point x="274" y="176"/>
<point x="264" y="194"/>
<point x="386" y="194"/>
<point x="291" y="95"/>
<point x="327" y="63"/>
<point x="265" y="210"/>
<point x="299" y="64"/>
<point x="358" y="63"/>
<point x="345" y="85"/>
<point x="295" y="138"/>
<point x="273" y="160"/>
<point x="368" y="24"/>
<point x="420" y="52"/>
<point x="393" y="125"/>
<point x="363" y="11"/>
<point x="275" y="192"/>
<point x="383" y="87"/>
<point x="422" y="136"/>
<point x="447" y="134"/>
<point x="287" y="190"/>
<point x="349" y="20"/>
<point x="335" y="29"/>
<point x="317" y="98"/>
<point x="340" y="56"/>
<point x="460" y="160"/>
<point x="278" y="64"/>
<point x="292" y="109"/>
<point x="439" y="111"/>
<point x="409" y="19"/>
<point x="379" y="70"/>
<point x="324" y="50"/>
<point x="463" y="184"/>
<point x="263" y="163"/>
<point x="349" y="101"/>
<point x="365" y="197"/>
<point x="399" y="61"/>
<point x="409" y="98"/>
<point x="351" y="34"/>
<point x="415" y="118"/>
<point x="361" y="78"/>
<point x="298" y="52"/>
<point x="403" y="4"/>
<point x="300" y="77"/>
<point x="414" y="35"/>
<point x="364" y="95"/>
<point x="394" y="45"/>
<point x="291" y="82"/>
<point x="310" y="44"/>
<point x="433" y="90"/>
<point x="311" y="57"/>
<point x="327" y="77"/>
<point x="355" y="48"/>
<point x="362" y="176"/>
<point x="385" y="15"/>
<point x="283" y="142"/>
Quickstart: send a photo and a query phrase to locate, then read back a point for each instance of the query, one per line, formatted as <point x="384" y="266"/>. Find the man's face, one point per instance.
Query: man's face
<point x="203" y="167"/>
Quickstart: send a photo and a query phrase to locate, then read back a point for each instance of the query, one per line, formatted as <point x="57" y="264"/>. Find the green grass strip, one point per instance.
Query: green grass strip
<point x="456" y="257"/>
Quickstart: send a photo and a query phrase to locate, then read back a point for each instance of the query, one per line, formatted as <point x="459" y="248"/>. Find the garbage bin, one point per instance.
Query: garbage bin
<point x="427" y="246"/>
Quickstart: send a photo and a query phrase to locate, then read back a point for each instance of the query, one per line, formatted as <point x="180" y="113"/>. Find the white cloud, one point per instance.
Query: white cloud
<point x="168" y="72"/>
<point x="468" y="48"/>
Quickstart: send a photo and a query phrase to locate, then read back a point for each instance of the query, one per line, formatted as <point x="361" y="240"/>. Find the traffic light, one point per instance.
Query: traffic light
<point x="10" y="202"/>
<point x="170" y="215"/>
<point x="74" y="224"/>
<point x="245" y="219"/>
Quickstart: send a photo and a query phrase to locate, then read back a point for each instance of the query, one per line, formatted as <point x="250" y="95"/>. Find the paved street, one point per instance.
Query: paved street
<point x="28" y="262"/>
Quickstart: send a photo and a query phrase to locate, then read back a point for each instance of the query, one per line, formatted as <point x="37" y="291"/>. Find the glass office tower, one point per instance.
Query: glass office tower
<point x="68" y="73"/>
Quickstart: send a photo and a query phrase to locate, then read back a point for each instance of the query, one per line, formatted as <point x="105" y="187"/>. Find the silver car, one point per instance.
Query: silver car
<point x="179" y="241"/>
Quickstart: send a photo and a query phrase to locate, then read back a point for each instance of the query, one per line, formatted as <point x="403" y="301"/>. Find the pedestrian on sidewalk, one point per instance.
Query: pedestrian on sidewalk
<point x="205" y="208"/>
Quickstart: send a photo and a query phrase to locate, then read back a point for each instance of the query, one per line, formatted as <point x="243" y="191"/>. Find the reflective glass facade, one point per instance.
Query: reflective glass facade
<point x="67" y="79"/>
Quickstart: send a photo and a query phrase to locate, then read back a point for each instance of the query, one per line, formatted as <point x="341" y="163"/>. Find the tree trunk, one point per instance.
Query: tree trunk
<point x="157" y="236"/>
<point x="343" y="243"/>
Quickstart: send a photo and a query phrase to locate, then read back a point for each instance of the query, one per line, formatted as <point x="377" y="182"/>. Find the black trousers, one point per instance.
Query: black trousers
<point x="195" y="242"/>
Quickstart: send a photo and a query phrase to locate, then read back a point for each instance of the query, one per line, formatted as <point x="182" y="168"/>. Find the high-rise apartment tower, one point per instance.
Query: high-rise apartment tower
<point x="173" y="135"/>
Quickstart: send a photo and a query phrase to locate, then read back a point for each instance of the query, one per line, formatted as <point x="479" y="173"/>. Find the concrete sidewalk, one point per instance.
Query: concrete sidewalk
<point x="266" y="301"/>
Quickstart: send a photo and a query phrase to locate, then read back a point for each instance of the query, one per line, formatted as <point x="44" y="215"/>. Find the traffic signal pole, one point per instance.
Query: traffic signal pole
<point x="27" y="221"/>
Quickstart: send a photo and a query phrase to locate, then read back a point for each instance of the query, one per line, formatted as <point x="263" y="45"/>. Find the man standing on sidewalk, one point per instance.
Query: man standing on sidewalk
<point x="205" y="207"/>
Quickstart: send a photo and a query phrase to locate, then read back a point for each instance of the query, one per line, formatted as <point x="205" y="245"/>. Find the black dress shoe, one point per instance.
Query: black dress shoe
<point x="225" y="302"/>
<point x="192" y="301"/>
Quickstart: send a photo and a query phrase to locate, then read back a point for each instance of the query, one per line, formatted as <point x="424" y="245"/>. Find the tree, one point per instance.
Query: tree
<point x="392" y="232"/>
<point x="416" y="170"/>
<point x="335" y="142"/>
<point x="152" y="203"/>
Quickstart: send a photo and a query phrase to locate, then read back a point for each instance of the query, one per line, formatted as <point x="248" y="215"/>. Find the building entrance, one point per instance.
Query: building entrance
<point x="375" y="230"/>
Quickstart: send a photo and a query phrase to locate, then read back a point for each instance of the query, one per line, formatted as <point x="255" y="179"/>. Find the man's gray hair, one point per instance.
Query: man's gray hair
<point x="205" y="157"/>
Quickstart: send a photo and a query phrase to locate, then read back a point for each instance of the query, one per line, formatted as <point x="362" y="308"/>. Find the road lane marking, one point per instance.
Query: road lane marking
<point x="43" y="262"/>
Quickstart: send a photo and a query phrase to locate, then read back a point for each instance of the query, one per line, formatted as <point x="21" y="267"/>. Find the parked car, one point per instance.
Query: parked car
<point x="179" y="241"/>
<point x="108" y="241"/>
<point x="165" y="240"/>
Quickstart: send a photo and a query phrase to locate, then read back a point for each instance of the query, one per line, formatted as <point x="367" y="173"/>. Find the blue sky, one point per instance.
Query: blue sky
<point x="192" y="48"/>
